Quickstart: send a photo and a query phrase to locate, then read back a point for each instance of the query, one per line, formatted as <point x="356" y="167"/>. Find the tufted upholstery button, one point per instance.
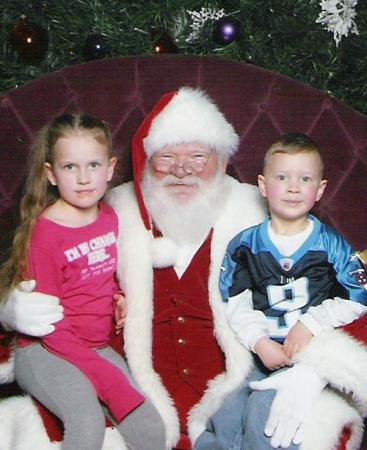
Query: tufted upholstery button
<point x="181" y="341"/>
<point x="181" y="319"/>
<point x="262" y="107"/>
<point x="327" y="103"/>
<point x="186" y="371"/>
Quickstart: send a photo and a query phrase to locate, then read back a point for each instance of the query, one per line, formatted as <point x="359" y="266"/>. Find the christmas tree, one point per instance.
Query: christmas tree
<point x="321" y="43"/>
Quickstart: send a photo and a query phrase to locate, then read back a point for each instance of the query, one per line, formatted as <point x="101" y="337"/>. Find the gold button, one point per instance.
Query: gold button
<point x="185" y="371"/>
<point x="181" y="341"/>
<point x="181" y="319"/>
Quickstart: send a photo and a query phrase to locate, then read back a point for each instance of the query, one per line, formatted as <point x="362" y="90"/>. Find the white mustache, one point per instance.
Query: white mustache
<point x="189" y="180"/>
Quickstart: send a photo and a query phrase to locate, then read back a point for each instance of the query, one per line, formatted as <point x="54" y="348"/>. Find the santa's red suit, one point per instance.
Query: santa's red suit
<point x="179" y="346"/>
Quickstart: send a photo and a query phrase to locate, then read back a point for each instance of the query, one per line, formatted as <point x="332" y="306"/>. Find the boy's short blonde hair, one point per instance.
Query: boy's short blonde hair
<point x="291" y="144"/>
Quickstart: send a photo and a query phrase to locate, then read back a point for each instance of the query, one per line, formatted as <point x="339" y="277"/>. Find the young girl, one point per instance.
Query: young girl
<point x="67" y="242"/>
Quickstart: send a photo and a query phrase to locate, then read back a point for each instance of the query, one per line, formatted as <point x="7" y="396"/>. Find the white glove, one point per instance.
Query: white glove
<point x="298" y="389"/>
<point x="28" y="312"/>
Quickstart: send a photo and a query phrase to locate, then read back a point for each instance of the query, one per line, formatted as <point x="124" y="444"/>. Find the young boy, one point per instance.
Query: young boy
<point x="299" y="270"/>
<point x="284" y="280"/>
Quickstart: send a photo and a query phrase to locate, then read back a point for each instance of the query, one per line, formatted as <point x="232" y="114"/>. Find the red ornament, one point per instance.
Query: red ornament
<point x="163" y="43"/>
<point x="29" y="40"/>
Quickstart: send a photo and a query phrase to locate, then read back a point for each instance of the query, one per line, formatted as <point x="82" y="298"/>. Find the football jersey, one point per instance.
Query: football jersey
<point x="323" y="267"/>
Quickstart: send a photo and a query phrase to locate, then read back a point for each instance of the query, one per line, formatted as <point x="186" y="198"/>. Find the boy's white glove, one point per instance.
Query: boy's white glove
<point x="28" y="312"/>
<point x="298" y="389"/>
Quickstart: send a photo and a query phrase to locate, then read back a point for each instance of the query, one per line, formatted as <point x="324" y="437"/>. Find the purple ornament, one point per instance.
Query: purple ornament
<point x="226" y="30"/>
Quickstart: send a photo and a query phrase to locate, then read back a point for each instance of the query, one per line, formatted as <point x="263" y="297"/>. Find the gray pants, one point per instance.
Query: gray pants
<point x="68" y="393"/>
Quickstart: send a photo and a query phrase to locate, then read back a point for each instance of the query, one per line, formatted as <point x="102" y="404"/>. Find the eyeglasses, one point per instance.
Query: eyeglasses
<point x="168" y="164"/>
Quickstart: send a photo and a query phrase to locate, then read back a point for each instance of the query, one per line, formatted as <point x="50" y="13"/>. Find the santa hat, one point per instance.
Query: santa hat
<point x="187" y="115"/>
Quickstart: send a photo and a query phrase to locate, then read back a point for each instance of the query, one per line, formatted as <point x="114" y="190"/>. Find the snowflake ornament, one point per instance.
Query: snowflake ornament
<point x="338" y="17"/>
<point x="199" y="18"/>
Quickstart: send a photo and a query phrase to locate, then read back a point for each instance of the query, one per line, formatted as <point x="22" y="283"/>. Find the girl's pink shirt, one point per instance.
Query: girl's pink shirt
<point x="78" y="266"/>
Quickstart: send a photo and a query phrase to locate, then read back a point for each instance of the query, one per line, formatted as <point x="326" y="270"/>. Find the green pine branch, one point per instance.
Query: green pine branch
<point x="280" y="36"/>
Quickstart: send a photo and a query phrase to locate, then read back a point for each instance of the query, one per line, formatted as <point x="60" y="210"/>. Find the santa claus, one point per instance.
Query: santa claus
<point x="175" y="222"/>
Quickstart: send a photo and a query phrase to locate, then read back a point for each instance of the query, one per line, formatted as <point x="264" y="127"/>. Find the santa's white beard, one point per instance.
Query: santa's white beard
<point x="189" y="221"/>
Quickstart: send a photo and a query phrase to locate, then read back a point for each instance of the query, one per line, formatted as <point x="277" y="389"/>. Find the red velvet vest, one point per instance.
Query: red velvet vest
<point x="185" y="352"/>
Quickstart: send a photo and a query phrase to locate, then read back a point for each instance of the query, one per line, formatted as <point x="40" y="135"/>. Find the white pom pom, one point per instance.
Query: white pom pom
<point x="164" y="252"/>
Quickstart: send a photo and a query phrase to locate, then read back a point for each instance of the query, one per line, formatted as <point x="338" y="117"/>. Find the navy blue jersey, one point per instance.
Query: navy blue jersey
<point x="283" y="288"/>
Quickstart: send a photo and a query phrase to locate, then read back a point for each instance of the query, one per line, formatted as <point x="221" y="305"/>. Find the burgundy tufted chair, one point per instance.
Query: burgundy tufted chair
<point x="260" y="104"/>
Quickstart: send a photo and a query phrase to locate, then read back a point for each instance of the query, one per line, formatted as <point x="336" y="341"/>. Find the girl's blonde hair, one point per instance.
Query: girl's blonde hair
<point x="39" y="193"/>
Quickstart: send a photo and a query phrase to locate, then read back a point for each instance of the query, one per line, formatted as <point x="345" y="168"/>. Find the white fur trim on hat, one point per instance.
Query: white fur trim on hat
<point x="191" y="116"/>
